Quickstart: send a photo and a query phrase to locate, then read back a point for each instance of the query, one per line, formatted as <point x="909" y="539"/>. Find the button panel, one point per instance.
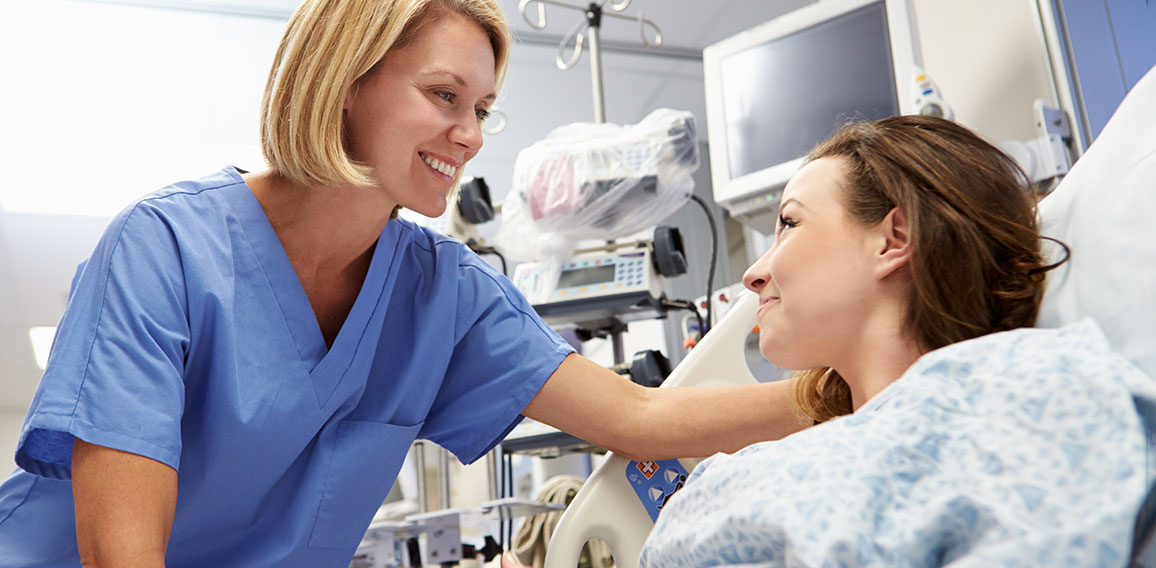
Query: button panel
<point x="630" y="274"/>
<point x="655" y="482"/>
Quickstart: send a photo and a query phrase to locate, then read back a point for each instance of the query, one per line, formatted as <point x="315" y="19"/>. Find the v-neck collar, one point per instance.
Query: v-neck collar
<point x="326" y="366"/>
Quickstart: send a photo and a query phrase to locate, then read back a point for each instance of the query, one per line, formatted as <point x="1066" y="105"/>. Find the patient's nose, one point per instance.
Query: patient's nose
<point x="755" y="278"/>
<point x="759" y="274"/>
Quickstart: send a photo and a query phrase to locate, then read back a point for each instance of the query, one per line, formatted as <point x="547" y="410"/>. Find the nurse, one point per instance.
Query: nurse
<point x="246" y="357"/>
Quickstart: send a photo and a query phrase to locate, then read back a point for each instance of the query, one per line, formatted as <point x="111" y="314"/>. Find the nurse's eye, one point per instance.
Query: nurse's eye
<point x="447" y="96"/>
<point x="483" y="114"/>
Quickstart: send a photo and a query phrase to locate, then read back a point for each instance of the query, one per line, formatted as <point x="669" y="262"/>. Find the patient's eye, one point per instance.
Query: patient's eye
<point x="785" y="223"/>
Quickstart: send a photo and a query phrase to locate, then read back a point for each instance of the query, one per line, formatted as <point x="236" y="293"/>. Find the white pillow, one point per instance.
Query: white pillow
<point x="1105" y="210"/>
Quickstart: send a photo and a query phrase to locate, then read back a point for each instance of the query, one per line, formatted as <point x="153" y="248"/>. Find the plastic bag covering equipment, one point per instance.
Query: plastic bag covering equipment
<point x="605" y="181"/>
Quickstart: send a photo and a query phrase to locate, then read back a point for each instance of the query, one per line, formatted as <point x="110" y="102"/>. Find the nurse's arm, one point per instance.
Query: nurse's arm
<point x="124" y="506"/>
<point x="595" y="404"/>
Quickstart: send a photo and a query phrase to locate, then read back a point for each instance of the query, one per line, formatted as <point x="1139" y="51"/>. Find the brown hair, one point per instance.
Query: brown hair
<point x="328" y="46"/>
<point x="975" y="265"/>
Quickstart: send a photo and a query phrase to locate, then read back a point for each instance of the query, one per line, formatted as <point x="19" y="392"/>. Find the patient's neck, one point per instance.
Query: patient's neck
<point x="879" y="359"/>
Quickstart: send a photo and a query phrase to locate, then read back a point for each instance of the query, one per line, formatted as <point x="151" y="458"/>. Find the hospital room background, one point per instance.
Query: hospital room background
<point x="105" y="100"/>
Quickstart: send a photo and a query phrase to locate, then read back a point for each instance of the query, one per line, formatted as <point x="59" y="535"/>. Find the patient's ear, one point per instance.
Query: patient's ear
<point x="894" y="251"/>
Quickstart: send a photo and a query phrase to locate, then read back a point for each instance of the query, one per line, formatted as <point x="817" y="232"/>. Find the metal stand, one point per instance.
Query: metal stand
<point x="612" y="329"/>
<point x="592" y="23"/>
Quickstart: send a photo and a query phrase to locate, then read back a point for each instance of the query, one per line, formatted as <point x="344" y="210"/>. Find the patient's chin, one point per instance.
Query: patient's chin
<point x="782" y="357"/>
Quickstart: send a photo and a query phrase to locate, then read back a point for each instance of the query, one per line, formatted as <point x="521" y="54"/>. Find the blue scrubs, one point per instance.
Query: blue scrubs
<point x="188" y="339"/>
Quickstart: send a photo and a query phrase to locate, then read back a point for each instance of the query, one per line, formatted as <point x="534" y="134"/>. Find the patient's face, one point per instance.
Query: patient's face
<point x="815" y="282"/>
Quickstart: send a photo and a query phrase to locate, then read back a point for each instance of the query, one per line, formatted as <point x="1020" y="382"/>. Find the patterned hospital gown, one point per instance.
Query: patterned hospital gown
<point x="1023" y="448"/>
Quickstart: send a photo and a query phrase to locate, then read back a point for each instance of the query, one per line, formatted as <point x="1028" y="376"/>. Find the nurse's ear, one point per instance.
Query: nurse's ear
<point x="894" y="238"/>
<point x="350" y="95"/>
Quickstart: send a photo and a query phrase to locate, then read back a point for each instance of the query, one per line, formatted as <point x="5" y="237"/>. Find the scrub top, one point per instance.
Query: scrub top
<point x="188" y="339"/>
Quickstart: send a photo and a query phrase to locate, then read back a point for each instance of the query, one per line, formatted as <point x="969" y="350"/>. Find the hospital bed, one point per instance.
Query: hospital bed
<point x="1102" y="210"/>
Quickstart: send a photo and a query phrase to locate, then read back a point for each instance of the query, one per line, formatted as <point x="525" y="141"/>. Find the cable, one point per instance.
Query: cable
<point x="507" y="529"/>
<point x="503" y="259"/>
<point x="713" y="261"/>
<point x="482" y="249"/>
<point x="684" y="305"/>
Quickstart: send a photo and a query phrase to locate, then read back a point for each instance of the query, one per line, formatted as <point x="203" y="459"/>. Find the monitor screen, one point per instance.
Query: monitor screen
<point x="783" y="96"/>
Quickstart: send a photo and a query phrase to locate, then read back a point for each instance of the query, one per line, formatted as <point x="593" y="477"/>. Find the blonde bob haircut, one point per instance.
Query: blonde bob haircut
<point x="328" y="46"/>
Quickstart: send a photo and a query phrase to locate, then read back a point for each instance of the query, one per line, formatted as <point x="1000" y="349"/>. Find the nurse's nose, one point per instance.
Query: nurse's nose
<point x="467" y="133"/>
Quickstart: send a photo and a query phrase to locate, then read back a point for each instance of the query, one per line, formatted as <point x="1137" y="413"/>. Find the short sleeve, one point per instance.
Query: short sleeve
<point x="114" y="375"/>
<point x="503" y="354"/>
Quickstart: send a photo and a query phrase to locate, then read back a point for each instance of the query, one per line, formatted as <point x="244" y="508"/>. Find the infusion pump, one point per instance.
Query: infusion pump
<point x="623" y="282"/>
<point x="596" y="285"/>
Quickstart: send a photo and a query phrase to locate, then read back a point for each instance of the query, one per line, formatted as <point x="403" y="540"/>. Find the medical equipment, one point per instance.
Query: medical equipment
<point x="777" y="89"/>
<point x="1109" y="277"/>
<point x="529" y="545"/>
<point x="1047" y="156"/>
<point x="622" y="280"/>
<point x="605" y="181"/>
<point x="592" y="24"/>
<point x="435" y="538"/>
<point x="1098" y="51"/>
<point x="608" y="507"/>
<point x="926" y="96"/>
<point x="595" y="181"/>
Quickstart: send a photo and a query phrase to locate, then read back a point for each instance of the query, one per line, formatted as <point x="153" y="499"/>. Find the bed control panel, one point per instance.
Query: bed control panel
<point x="655" y="482"/>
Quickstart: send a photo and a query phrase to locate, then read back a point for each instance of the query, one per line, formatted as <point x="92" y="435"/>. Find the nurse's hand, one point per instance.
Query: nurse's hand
<point x="511" y="561"/>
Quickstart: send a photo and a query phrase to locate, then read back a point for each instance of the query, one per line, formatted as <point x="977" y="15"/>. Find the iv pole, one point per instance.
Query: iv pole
<point x="592" y="24"/>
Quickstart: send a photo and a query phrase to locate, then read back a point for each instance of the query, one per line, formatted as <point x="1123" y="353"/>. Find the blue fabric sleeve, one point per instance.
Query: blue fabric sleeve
<point x="503" y="354"/>
<point x="114" y="376"/>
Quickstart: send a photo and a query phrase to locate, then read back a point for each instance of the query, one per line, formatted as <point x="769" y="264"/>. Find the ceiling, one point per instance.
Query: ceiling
<point x="39" y="252"/>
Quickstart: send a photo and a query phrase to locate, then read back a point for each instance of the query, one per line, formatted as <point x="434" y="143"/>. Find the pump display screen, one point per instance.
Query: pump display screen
<point x="586" y="276"/>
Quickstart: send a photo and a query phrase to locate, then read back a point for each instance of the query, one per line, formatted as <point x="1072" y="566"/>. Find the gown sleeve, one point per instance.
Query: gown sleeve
<point x="114" y="374"/>
<point x="503" y="354"/>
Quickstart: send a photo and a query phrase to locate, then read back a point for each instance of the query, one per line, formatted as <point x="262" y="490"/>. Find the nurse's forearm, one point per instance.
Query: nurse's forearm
<point x="700" y="421"/>
<point x="595" y="404"/>
<point x="124" y="506"/>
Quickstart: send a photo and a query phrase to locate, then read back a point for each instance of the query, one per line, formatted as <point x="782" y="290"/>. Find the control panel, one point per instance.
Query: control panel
<point x="595" y="285"/>
<point x="654" y="482"/>
<point x="592" y="276"/>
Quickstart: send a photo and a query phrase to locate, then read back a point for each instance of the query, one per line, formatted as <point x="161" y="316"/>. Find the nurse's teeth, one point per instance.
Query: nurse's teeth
<point x="440" y="166"/>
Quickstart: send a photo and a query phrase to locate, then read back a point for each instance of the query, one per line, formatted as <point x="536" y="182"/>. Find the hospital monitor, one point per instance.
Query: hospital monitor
<point x="775" y="90"/>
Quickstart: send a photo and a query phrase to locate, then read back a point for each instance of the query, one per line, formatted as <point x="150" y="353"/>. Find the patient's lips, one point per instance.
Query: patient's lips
<point x="766" y="302"/>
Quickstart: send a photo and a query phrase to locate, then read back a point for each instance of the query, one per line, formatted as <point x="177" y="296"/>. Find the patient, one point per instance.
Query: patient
<point x="902" y="245"/>
<point x="896" y="238"/>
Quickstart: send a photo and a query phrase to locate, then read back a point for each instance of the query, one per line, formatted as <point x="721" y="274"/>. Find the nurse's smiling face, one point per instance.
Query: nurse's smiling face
<point x="416" y="118"/>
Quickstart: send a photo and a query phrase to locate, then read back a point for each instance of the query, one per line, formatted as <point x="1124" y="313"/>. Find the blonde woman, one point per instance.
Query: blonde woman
<point x="246" y="357"/>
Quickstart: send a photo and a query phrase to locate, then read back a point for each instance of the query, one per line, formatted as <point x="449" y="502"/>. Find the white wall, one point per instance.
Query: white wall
<point x="103" y="103"/>
<point x="110" y="101"/>
<point x="989" y="61"/>
<point x="10" y="423"/>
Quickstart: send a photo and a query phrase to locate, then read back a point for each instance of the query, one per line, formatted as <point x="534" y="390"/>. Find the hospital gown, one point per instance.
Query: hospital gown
<point x="1023" y="448"/>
